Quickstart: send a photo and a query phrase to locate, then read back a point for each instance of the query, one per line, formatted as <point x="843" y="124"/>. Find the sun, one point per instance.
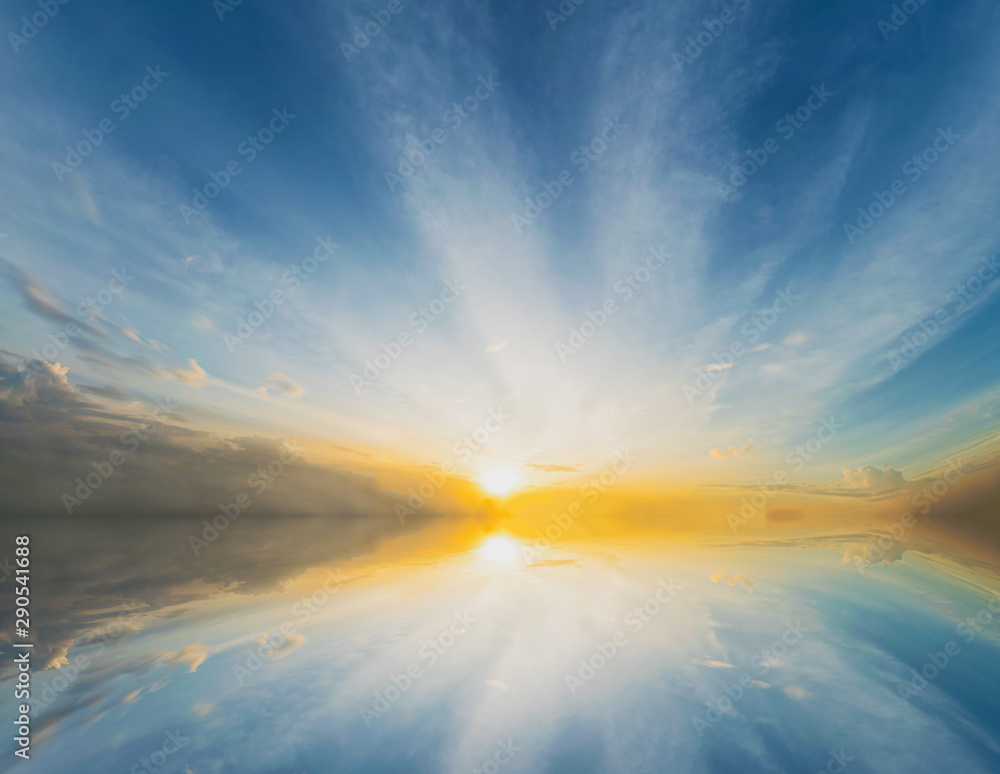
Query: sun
<point x="499" y="482"/>
<point x="500" y="549"/>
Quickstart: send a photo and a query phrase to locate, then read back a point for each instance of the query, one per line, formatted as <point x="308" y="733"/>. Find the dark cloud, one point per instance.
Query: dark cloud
<point x="134" y="528"/>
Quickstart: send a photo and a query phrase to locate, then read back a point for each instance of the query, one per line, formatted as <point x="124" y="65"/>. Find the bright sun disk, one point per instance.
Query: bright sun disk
<point x="500" y="548"/>
<point x="499" y="482"/>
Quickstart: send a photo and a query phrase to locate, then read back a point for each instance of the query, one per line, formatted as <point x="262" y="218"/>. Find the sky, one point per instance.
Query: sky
<point x="292" y="286"/>
<point x="334" y="175"/>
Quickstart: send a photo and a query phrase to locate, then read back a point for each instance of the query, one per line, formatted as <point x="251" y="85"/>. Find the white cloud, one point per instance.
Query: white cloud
<point x="732" y="580"/>
<point x="284" y="384"/>
<point x="287" y="645"/>
<point x="713" y="663"/>
<point x="733" y="451"/>
<point x="713" y="367"/>
<point x="744" y="449"/>
<point x="193" y="655"/>
<point x="870" y="553"/>
<point x="44" y="381"/>
<point x="193" y="376"/>
<point x="203" y="708"/>
<point x="869" y="477"/>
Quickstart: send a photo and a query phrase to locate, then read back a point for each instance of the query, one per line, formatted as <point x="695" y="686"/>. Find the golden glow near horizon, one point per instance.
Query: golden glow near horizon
<point x="500" y="482"/>
<point x="500" y="549"/>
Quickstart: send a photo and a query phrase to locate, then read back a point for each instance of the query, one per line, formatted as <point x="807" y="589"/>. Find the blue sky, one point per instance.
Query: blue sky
<point x="655" y="185"/>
